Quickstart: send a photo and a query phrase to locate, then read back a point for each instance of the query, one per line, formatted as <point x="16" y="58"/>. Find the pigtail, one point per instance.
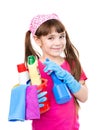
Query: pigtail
<point x="72" y="54"/>
<point x="28" y="47"/>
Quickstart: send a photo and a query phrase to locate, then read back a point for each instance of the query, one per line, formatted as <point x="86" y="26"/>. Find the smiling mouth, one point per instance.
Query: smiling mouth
<point x="56" y="48"/>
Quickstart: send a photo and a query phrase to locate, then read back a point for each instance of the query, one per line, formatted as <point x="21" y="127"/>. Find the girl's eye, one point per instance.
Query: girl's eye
<point x="50" y="38"/>
<point x="62" y="36"/>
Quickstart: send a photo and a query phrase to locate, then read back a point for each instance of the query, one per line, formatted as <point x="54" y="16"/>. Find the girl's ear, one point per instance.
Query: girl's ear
<point x="37" y="40"/>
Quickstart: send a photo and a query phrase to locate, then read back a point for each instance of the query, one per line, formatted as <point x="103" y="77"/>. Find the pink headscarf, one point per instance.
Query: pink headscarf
<point x="39" y="19"/>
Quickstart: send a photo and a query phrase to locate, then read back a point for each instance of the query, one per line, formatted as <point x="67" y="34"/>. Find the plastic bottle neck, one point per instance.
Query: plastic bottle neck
<point x="55" y="79"/>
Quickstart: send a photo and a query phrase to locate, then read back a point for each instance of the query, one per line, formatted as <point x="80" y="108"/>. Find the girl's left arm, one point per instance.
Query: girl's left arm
<point x="82" y="94"/>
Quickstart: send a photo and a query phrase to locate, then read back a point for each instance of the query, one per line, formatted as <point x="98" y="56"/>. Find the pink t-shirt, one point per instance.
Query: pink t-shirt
<point x="59" y="116"/>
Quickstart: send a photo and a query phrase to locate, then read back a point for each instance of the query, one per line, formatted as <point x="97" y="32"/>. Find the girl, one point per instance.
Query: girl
<point x="51" y="36"/>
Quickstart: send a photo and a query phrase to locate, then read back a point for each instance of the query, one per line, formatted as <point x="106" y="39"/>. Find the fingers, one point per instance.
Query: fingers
<point x="42" y="94"/>
<point x="48" y="70"/>
<point x="39" y="90"/>
<point x="50" y="67"/>
<point x="43" y="99"/>
<point x="41" y="105"/>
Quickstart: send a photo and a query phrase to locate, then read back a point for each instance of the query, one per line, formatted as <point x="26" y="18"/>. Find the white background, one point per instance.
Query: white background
<point x="88" y="23"/>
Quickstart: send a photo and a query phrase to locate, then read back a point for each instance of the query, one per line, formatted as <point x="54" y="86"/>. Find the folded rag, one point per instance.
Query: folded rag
<point x="32" y="104"/>
<point x="17" y="103"/>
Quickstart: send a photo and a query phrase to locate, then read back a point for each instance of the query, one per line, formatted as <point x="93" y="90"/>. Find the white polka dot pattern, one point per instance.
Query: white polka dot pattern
<point x="39" y="19"/>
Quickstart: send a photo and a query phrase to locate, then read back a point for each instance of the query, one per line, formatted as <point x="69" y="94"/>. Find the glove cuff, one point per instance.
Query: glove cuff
<point x="73" y="85"/>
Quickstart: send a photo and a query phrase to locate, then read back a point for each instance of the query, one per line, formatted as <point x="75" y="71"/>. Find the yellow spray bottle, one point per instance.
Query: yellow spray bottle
<point x="33" y="70"/>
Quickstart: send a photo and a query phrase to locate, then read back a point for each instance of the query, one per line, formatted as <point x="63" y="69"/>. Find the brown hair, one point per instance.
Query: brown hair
<point x="71" y="53"/>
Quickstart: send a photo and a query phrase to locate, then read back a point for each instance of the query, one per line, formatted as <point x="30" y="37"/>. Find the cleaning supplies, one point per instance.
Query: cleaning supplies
<point x="23" y="76"/>
<point x="33" y="71"/>
<point x="41" y="84"/>
<point x="60" y="90"/>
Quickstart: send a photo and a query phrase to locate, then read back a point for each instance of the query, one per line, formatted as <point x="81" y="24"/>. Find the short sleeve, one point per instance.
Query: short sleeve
<point x="83" y="76"/>
<point x="66" y="66"/>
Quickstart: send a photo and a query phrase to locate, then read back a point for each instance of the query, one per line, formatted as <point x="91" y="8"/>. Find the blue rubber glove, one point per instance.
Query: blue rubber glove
<point x="73" y="85"/>
<point x="41" y="97"/>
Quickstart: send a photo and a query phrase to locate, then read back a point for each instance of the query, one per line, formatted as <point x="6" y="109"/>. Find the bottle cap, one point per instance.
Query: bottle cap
<point x="21" y="67"/>
<point x="31" y="59"/>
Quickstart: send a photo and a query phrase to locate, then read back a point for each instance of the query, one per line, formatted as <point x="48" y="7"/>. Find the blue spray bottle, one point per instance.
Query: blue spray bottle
<point x="60" y="90"/>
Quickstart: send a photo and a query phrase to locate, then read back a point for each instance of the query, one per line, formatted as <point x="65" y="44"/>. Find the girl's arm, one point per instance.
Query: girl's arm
<point x="82" y="94"/>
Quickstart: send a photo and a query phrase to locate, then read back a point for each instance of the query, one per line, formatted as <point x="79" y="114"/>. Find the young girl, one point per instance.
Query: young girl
<point x="51" y="36"/>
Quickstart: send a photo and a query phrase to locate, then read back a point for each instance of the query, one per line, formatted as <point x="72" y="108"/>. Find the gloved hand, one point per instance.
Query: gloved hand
<point x="41" y="97"/>
<point x="73" y="85"/>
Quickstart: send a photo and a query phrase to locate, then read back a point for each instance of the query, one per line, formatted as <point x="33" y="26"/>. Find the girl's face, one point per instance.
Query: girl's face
<point x="53" y="44"/>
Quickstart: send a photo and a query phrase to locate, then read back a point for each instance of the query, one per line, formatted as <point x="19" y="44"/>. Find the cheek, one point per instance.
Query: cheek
<point x="64" y="42"/>
<point x="64" y="45"/>
<point x="46" y="47"/>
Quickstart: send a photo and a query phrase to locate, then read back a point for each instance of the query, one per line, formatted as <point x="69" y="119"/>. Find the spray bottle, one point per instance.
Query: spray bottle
<point x="33" y="71"/>
<point x="23" y="74"/>
<point x="60" y="90"/>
